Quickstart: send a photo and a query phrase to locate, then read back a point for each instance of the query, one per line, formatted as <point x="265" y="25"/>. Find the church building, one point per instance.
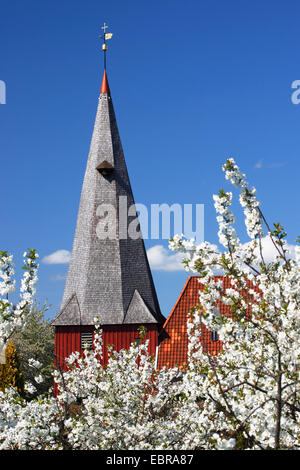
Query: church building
<point x="109" y="277"/>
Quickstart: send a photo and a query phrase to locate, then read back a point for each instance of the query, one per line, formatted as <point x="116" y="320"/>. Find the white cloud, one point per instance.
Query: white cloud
<point x="269" y="251"/>
<point x="277" y="165"/>
<point x="258" y="164"/>
<point x="161" y="259"/>
<point x="58" y="257"/>
<point x="58" y="277"/>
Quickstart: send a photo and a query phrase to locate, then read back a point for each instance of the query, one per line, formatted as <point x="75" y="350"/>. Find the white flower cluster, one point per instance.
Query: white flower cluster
<point x="125" y="405"/>
<point x="13" y="317"/>
<point x="227" y="234"/>
<point x="247" y="198"/>
<point x="7" y="285"/>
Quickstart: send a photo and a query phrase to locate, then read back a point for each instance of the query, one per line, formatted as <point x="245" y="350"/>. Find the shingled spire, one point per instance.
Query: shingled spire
<point x="109" y="277"/>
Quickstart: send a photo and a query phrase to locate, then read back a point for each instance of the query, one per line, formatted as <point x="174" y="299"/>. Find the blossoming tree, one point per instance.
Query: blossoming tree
<point x="246" y="397"/>
<point x="251" y="390"/>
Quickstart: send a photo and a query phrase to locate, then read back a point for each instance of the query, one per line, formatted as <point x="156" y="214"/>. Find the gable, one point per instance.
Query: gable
<point x="70" y="314"/>
<point x="138" y="312"/>
<point x="174" y="341"/>
<point x="173" y="346"/>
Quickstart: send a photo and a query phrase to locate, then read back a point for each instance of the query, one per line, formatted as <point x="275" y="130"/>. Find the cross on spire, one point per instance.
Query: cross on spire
<point x="105" y="37"/>
<point x="104" y="27"/>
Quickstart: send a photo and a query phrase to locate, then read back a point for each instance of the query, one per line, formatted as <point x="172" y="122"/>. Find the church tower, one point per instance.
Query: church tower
<point x="109" y="275"/>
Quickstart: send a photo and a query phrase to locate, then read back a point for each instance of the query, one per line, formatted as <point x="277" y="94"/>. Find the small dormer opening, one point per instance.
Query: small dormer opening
<point x="105" y="168"/>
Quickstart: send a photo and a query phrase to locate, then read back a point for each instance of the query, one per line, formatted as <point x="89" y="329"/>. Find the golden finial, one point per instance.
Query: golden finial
<point x="105" y="37"/>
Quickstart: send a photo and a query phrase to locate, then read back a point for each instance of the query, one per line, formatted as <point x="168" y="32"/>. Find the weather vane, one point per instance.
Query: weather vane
<point x="105" y="37"/>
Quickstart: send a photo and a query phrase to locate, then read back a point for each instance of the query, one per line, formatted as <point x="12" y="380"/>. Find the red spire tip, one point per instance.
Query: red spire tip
<point x="104" y="86"/>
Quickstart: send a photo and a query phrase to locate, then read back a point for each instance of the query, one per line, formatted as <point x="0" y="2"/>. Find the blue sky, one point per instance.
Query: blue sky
<point x="192" y="83"/>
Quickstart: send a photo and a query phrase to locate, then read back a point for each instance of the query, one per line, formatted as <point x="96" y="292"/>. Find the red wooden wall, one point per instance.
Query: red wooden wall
<point x="67" y="339"/>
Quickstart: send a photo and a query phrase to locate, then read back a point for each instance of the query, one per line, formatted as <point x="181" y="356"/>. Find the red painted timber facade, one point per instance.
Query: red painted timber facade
<point x="68" y="339"/>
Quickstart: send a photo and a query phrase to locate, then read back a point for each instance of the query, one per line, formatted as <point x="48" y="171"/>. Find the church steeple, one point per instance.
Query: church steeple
<point x="109" y="276"/>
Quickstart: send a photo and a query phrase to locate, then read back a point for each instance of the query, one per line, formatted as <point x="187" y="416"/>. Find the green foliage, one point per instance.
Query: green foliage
<point x="10" y="372"/>
<point x="36" y="342"/>
<point x="278" y="231"/>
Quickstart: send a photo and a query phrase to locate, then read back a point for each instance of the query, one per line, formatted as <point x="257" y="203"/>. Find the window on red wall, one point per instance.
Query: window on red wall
<point x="214" y="335"/>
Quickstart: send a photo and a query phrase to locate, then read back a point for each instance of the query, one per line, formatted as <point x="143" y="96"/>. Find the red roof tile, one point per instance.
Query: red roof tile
<point x="174" y="340"/>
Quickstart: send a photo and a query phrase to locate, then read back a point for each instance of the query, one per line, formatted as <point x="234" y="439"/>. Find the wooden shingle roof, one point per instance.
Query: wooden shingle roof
<point x="108" y="277"/>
